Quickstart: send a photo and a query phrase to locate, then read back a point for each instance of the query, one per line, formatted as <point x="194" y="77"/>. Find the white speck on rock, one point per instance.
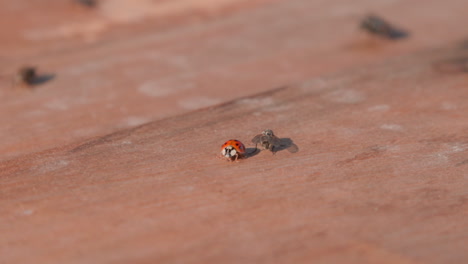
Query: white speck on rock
<point x="157" y="89"/>
<point x="378" y="108"/>
<point x="448" y="106"/>
<point x="65" y="103"/>
<point x="277" y="108"/>
<point x="89" y="30"/>
<point x="256" y="101"/>
<point x="313" y="85"/>
<point x="197" y="102"/>
<point x="442" y="157"/>
<point x="135" y="121"/>
<point x="83" y="132"/>
<point x="180" y="62"/>
<point x="28" y="212"/>
<point x="459" y="147"/>
<point x="34" y="113"/>
<point x="346" y="96"/>
<point x="52" y="166"/>
<point x="57" y="105"/>
<point x="392" y="127"/>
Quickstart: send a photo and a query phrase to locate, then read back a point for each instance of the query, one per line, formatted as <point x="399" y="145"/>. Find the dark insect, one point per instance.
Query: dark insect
<point x="87" y="3"/>
<point x="379" y="27"/>
<point x="268" y="140"/>
<point x="26" y="76"/>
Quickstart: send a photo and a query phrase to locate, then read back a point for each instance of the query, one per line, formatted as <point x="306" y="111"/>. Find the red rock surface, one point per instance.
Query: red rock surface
<point x="115" y="158"/>
<point x="129" y="73"/>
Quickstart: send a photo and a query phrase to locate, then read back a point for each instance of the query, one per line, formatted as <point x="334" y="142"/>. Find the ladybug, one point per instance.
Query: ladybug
<point x="233" y="149"/>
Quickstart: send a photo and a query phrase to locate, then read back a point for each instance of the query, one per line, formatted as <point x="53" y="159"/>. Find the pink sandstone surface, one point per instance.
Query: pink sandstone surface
<point x="115" y="159"/>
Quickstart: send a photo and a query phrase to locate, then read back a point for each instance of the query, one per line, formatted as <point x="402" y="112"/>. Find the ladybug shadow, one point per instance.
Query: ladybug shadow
<point x="250" y="152"/>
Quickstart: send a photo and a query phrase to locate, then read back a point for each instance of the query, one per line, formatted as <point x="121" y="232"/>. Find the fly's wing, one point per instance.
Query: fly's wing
<point x="287" y="143"/>
<point x="257" y="139"/>
<point x="293" y="148"/>
<point x="275" y="141"/>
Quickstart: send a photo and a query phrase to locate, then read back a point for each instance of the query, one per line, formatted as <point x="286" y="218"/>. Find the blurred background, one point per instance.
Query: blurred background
<point x="373" y="92"/>
<point x="104" y="65"/>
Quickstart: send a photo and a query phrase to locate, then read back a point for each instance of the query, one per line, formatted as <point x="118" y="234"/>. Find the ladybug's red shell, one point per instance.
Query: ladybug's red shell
<point x="233" y="149"/>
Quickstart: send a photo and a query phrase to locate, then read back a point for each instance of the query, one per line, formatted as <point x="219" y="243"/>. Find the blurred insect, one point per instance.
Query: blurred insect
<point x="25" y="77"/>
<point x="87" y="3"/>
<point x="379" y="27"/>
<point x="268" y="140"/>
<point x="233" y="150"/>
<point x="463" y="44"/>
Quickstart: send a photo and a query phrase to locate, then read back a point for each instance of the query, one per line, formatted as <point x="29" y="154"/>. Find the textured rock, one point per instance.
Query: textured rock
<point x="132" y="72"/>
<point x="380" y="176"/>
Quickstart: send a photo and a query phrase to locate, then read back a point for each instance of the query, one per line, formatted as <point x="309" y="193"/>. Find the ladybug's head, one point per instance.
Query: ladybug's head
<point x="229" y="151"/>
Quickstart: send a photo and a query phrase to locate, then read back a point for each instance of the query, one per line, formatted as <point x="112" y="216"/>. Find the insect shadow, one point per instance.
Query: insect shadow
<point x="268" y="140"/>
<point x="398" y="34"/>
<point x="379" y="27"/>
<point x="286" y="144"/>
<point x="41" y="79"/>
<point x="455" y="65"/>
